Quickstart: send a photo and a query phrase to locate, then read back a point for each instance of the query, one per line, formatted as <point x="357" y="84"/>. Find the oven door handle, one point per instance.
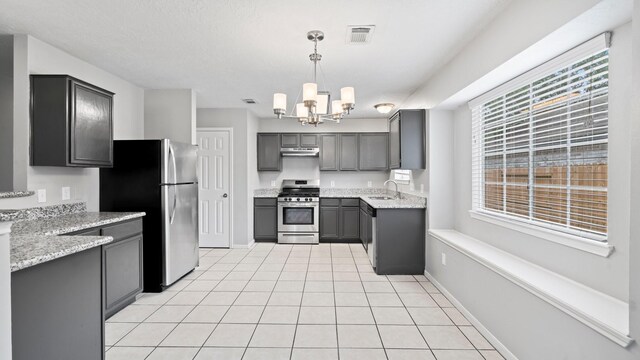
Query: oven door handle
<point x="306" y="205"/>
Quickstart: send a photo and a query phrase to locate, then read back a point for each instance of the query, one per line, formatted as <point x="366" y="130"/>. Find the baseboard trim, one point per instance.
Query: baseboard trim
<point x="508" y="355"/>
<point x="248" y="246"/>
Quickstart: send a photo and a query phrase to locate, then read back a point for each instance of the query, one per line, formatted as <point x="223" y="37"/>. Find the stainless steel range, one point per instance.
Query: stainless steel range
<point x="299" y="212"/>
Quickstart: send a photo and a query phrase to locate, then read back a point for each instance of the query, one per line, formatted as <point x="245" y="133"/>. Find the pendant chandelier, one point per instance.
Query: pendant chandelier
<point x="314" y="108"/>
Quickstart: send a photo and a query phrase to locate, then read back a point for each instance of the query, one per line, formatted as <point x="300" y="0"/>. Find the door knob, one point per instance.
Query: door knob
<point x="225" y="195"/>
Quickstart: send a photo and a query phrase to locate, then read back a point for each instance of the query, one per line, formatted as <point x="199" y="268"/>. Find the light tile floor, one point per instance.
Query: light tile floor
<point x="294" y="302"/>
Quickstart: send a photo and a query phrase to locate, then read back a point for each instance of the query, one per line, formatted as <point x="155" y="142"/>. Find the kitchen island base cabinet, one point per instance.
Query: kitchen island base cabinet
<point x="57" y="309"/>
<point x="400" y="241"/>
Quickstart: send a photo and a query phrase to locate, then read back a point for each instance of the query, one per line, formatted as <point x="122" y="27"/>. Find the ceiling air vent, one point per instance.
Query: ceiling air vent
<point x="360" y="34"/>
<point x="249" y="101"/>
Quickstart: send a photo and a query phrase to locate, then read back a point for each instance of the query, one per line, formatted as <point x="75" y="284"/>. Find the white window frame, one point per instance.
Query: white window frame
<point x="582" y="240"/>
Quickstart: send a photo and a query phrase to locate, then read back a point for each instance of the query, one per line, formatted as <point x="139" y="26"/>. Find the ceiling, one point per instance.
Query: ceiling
<point x="227" y="50"/>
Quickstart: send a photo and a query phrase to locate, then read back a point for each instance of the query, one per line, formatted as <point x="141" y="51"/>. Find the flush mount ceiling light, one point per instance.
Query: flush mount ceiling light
<point x="384" y="108"/>
<point x="314" y="108"/>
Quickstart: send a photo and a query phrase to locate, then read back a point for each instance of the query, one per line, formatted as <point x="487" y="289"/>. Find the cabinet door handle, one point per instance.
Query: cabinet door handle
<point x="225" y="195"/>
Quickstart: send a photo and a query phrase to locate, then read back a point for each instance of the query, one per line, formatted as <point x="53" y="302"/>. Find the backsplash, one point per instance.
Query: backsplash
<point x="42" y="212"/>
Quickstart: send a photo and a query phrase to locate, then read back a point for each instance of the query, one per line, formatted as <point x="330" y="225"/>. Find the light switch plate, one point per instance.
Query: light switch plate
<point x="444" y="259"/>
<point x="66" y="193"/>
<point x="42" y="195"/>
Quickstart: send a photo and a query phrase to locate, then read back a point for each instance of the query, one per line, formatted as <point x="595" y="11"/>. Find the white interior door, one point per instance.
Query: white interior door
<point x="214" y="187"/>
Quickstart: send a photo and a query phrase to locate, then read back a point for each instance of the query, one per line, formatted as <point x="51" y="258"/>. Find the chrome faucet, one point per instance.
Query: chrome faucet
<point x="398" y="195"/>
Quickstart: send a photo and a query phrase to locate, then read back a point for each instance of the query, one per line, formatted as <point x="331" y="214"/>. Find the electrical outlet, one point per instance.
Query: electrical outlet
<point x="369" y="184"/>
<point x="273" y="183"/>
<point x="333" y="183"/>
<point x="421" y="188"/>
<point x="444" y="259"/>
<point x="66" y="193"/>
<point x="42" y="195"/>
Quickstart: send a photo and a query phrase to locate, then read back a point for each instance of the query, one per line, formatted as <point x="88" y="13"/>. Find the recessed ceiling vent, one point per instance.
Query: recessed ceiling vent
<point x="360" y="34"/>
<point x="249" y="101"/>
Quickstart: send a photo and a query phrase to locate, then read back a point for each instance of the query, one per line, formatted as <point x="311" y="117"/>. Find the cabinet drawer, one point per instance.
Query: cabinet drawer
<point x="329" y="202"/>
<point x="123" y="230"/>
<point x="265" y="201"/>
<point x="350" y="202"/>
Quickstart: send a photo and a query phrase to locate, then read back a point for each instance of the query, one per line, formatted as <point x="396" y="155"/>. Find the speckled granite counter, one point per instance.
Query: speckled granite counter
<point x="408" y="201"/>
<point x="266" y="193"/>
<point x="37" y="241"/>
<point x="15" y="194"/>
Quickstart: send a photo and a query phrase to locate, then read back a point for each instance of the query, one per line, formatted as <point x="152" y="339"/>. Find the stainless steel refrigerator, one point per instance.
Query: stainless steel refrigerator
<point x="158" y="177"/>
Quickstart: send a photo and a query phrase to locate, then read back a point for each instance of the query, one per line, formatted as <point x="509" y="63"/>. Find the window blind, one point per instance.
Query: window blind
<point x="540" y="145"/>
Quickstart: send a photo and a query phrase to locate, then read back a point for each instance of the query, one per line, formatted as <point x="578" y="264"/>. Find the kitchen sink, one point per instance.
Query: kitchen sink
<point x="381" y="198"/>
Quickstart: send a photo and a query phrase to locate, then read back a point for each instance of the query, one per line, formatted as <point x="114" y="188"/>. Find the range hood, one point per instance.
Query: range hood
<point x="300" y="152"/>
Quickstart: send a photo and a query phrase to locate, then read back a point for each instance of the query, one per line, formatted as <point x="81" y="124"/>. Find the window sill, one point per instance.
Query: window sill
<point x="601" y="312"/>
<point x="591" y="246"/>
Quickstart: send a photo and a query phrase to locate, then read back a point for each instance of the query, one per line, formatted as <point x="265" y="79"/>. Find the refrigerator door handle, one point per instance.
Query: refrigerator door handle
<point x="175" y="178"/>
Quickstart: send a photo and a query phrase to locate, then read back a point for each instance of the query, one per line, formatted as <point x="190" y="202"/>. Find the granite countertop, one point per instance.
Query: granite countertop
<point x="266" y="193"/>
<point x="411" y="200"/>
<point x="15" y="194"/>
<point x="37" y="241"/>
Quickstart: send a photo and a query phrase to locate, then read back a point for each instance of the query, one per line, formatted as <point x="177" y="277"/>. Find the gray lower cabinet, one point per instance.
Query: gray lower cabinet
<point x="57" y="309"/>
<point x="348" y="152"/>
<point x="269" y="152"/>
<point x="265" y="219"/>
<point x="339" y="219"/>
<point x="122" y="263"/>
<point x="400" y="241"/>
<point x="350" y="222"/>
<point x="123" y="273"/>
<point x="329" y="150"/>
<point x="373" y="151"/>
<point x="407" y="139"/>
<point x="71" y="123"/>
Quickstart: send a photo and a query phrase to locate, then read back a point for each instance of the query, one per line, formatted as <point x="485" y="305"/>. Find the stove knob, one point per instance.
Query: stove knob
<point x="297" y="199"/>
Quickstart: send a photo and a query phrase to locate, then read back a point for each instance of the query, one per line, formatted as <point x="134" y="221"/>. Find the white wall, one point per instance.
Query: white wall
<point x="170" y="114"/>
<point x="309" y="168"/>
<point x="6" y="112"/>
<point x="634" y="236"/>
<point x="37" y="57"/>
<point x="440" y="172"/>
<point x="238" y="119"/>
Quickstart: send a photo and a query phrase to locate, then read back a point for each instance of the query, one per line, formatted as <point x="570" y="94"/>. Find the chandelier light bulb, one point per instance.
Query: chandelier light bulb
<point x="347" y="95"/>
<point x="336" y="107"/>
<point x="280" y="101"/>
<point x="302" y="111"/>
<point x="309" y="92"/>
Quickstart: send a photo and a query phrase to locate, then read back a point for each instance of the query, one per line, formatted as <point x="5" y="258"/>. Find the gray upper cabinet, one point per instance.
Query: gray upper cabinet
<point x="407" y="139"/>
<point x="328" y="152"/>
<point x="71" y="123"/>
<point x="290" y="140"/>
<point x="269" y="152"/>
<point x="373" y="150"/>
<point x="309" y="140"/>
<point x="348" y="151"/>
